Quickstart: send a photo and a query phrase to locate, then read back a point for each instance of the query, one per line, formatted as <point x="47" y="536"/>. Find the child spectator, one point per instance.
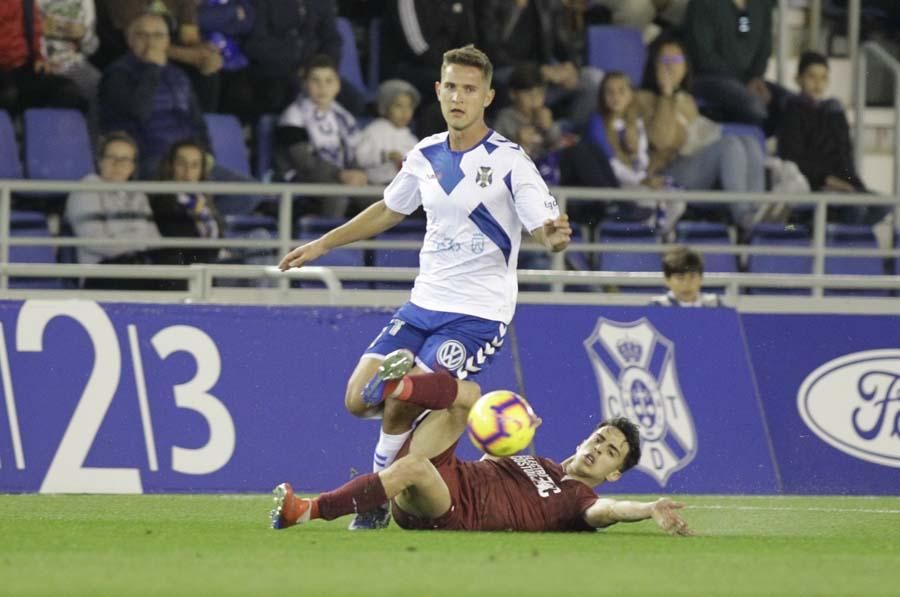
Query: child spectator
<point x="683" y="270"/>
<point x="385" y="142"/>
<point x="113" y="214"/>
<point x="626" y="134"/>
<point x="528" y="121"/>
<point x="187" y="215"/>
<point x="316" y="138"/>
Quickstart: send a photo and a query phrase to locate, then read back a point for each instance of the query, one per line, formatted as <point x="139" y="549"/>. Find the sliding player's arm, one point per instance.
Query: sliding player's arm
<point x="606" y="512"/>
<point x="377" y="218"/>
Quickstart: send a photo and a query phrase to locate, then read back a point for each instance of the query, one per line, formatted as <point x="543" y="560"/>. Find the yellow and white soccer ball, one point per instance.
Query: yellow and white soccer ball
<point x="502" y="423"/>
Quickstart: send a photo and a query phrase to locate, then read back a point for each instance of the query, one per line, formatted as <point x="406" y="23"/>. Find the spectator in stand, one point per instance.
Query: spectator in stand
<point x="316" y="139"/>
<point x="26" y="79"/>
<point x="626" y="133"/>
<point x="529" y="122"/>
<point x="199" y="59"/>
<point x="517" y="31"/>
<point x="188" y="214"/>
<point x="225" y="24"/>
<point x="117" y="214"/>
<point x="683" y="270"/>
<point x="286" y="35"/>
<point x="70" y="38"/>
<point x="384" y="143"/>
<point x="642" y="14"/>
<point x="686" y="146"/>
<point x="417" y="33"/>
<point x="730" y="42"/>
<point x="815" y="135"/>
<point x="148" y="97"/>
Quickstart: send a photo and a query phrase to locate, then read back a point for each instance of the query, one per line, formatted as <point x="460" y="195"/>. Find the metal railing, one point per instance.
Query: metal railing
<point x="200" y="284"/>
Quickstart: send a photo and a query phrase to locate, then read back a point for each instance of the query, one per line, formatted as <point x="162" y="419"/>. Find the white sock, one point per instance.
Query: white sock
<point x="387" y="448"/>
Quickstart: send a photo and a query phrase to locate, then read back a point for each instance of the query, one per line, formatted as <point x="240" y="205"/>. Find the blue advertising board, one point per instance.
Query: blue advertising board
<point x="134" y="398"/>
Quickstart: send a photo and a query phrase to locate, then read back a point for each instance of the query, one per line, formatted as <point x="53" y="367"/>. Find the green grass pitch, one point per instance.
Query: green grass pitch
<point x="222" y="545"/>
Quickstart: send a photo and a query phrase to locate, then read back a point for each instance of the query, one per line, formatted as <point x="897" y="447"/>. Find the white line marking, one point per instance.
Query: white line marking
<point x="10" y="402"/>
<point x="141" y="387"/>
<point x="795" y="509"/>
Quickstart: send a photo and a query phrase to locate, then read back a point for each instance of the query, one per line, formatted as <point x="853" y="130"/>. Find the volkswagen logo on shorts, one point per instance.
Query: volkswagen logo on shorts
<point x="451" y="355"/>
<point x="637" y="379"/>
<point x="853" y="404"/>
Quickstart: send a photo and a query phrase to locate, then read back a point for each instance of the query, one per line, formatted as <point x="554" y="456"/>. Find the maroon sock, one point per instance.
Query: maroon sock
<point x="436" y="391"/>
<point x="362" y="494"/>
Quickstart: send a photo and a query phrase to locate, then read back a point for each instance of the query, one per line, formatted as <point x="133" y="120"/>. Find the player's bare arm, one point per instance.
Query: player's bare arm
<point x="554" y="234"/>
<point x="377" y="218"/>
<point x="607" y="512"/>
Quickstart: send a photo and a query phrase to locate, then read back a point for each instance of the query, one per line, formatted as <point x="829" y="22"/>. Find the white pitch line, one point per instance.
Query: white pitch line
<point x="795" y="509"/>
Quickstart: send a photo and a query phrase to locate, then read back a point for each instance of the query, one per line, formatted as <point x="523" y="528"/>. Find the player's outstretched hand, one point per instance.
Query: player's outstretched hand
<point x="666" y="515"/>
<point x="302" y="255"/>
<point x="558" y="232"/>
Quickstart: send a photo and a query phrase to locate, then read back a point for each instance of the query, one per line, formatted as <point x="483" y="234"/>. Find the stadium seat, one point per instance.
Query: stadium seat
<point x="312" y="227"/>
<point x="31" y="224"/>
<point x="349" y="67"/>
<point x="238" y="225"/>
<point x="847" y="236"/>
<point x="10" y="163"/>
<point x="57" y="145"/>
<point x="227" y="139"/>
<point x="410" y="229"/>
<point x="708" y="233"/>
<point x="373" y="68"/>
<point x="616" y="48"/>
<point x="629" y="232"/>
<point x="783" y="236"/>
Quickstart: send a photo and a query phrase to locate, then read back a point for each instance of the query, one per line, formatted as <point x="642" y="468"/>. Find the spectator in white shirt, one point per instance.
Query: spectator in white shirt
<point x="384" y="143"/>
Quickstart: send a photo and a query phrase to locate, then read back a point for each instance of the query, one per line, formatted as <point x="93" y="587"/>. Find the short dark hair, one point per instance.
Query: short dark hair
<point x="524" y="76"/>
<point x="115" y="137"/>
<point x="808" y="59"/>
<point x="469" y="56"/>
<point x="632" y="436"/>
<point x="319" y="61"/>
<point x="682" y="260"/>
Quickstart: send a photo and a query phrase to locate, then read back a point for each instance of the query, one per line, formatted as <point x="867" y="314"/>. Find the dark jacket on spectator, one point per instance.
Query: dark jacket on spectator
<point x="716" y="44"/>
<point x="213" y="16"/>
<point x="287" y="33"/>
<point x="418" y="32"/>
<point x="155" y="105"/>
<point x="534" y="34"/>
<point x="816" y="137"/>
<point x="174" y="220"/>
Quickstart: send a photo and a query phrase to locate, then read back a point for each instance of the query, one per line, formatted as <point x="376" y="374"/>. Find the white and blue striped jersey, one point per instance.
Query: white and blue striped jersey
<point x="476" y="203"/>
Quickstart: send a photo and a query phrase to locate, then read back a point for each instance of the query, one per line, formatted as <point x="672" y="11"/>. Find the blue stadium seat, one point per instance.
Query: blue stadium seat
<point x="312" y="227"/>
<point x="847" y="236"/>
<point x="32" y="224"/>
<point x="783" y="236"/>
<point x="10" y="164"/>
<point x="227" y="139"/>
<point x="629" y="232"/>
<point x="616" y="48"/>
<point x="239" y="225"/>
<point x="57" y="145"/>
<point x="410" y="229"/>
<point x="349" y="67"/>
<point x="708" y="233"/>
<point x="373" y="68"/>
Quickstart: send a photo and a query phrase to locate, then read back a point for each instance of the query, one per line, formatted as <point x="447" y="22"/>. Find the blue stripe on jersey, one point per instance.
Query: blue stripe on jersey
<point x="491" y="229"/>
<point x="507" y="180"/>
<point x="445" y="164"/>
<point x="489" y="147"/>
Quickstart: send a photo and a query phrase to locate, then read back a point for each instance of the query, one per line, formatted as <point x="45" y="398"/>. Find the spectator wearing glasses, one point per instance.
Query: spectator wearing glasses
<point x="114" y="214"/>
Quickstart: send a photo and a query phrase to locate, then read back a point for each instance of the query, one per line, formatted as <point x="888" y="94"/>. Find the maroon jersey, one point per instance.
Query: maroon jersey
<point x="519" y="493"/>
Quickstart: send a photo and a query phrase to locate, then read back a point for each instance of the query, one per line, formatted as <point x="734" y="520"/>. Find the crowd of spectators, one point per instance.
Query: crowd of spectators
<point x="144" y="72"/>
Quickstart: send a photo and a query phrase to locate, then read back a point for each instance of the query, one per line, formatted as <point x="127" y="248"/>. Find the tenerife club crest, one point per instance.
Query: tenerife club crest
<point x="485" y="176"/>
<point x="637" y="379"/>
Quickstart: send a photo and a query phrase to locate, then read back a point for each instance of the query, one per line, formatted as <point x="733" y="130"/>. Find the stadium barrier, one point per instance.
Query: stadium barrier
<point x="130" y="398"/>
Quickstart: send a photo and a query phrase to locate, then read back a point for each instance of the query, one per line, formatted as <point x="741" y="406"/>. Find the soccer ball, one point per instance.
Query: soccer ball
<point x="502" y="423"/>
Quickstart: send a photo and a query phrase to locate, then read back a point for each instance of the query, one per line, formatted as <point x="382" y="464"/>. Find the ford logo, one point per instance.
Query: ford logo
<point x="853" y="404"/>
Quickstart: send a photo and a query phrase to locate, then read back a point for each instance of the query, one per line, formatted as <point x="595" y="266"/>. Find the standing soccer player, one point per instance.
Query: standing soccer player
<point x="478" y="190"/>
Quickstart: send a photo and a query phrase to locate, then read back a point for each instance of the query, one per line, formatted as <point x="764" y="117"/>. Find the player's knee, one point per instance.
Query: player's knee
<point x="412" y="469"/>
<point x="353" y="401"/>
<point x="467" y="393"/>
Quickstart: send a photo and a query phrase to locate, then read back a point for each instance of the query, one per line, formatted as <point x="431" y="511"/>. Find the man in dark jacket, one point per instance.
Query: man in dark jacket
<point x="149" y="98"/>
